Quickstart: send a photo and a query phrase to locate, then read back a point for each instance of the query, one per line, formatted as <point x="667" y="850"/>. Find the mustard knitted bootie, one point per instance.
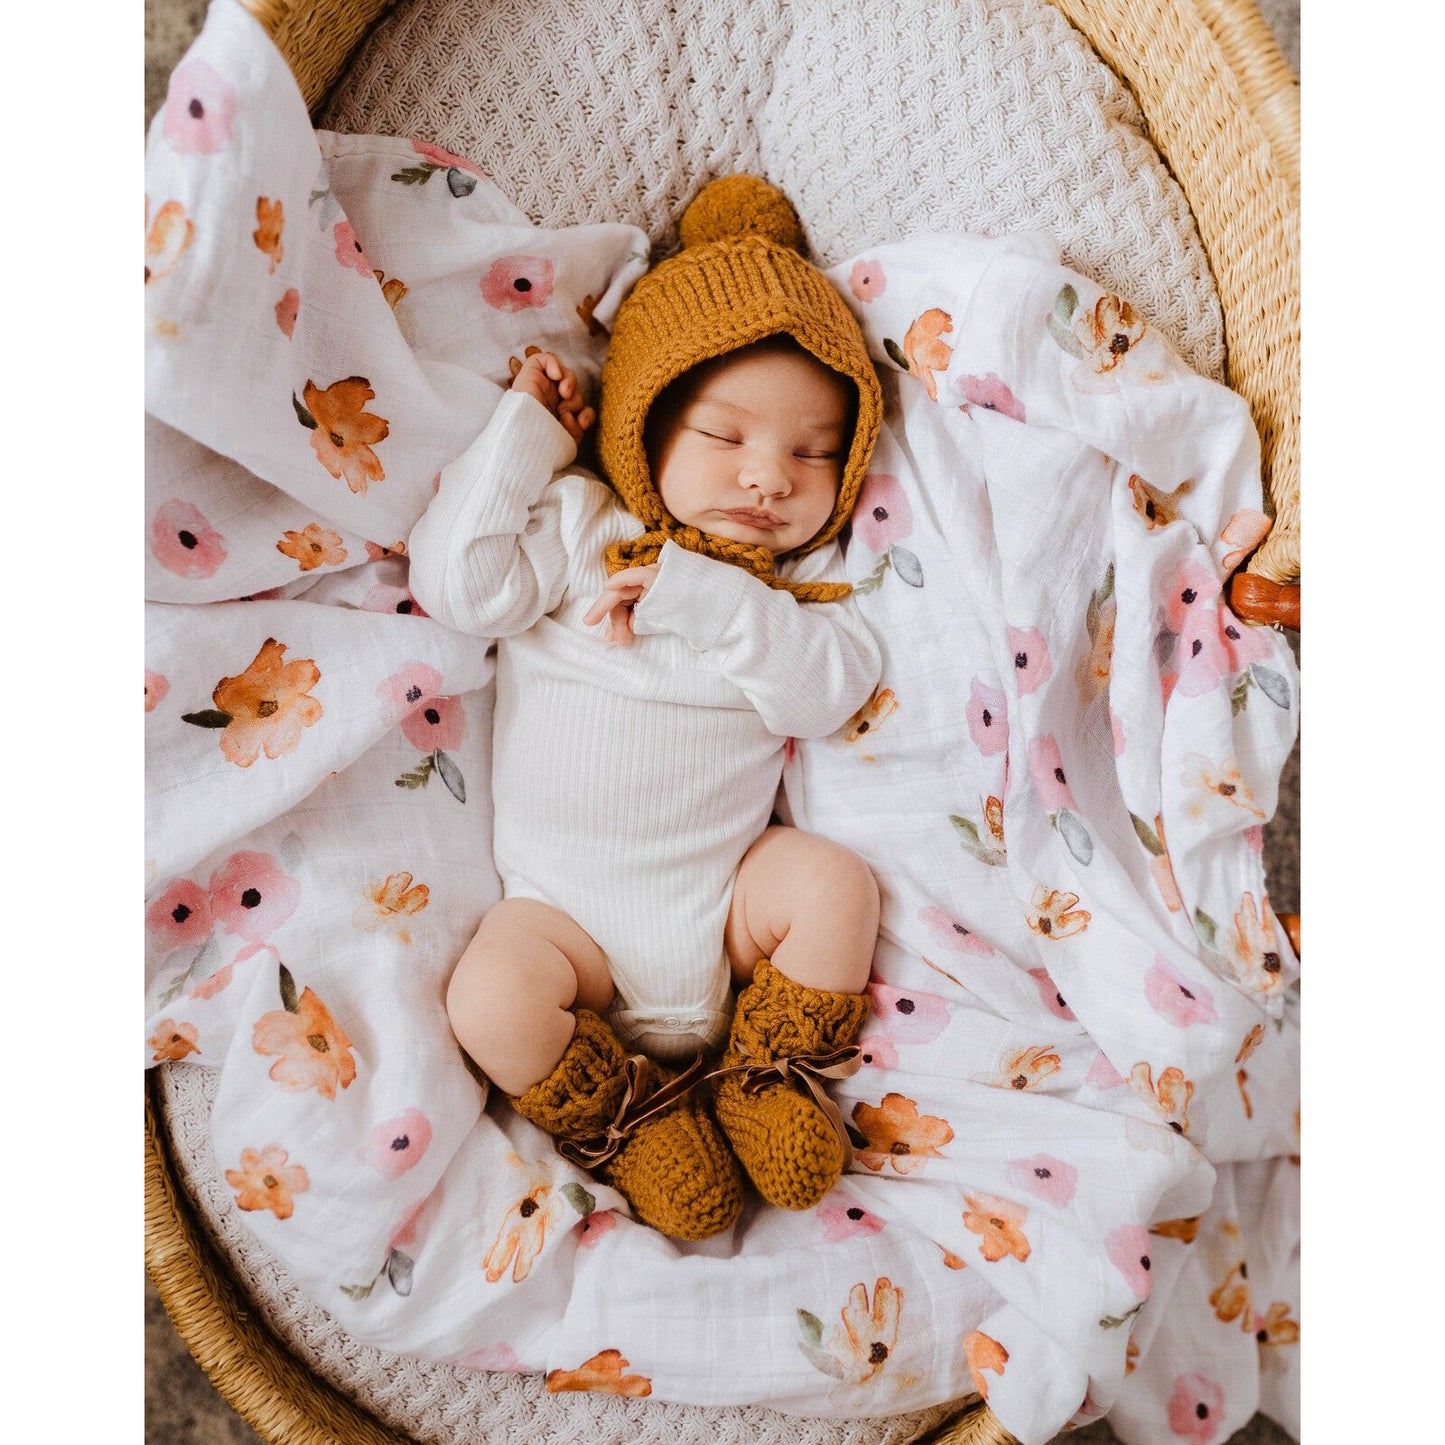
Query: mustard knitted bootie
<point x="673" y="1167"/>
<point x="783" y="1137"/>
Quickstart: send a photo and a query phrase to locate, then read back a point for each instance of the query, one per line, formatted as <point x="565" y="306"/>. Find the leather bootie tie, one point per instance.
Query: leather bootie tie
<point x="786" y="1039"/>
<point x="639" y="1128"/>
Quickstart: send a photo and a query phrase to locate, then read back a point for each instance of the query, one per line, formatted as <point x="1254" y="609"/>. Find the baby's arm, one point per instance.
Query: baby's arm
<point x="487" y="556"/>
<point x="806" y="666"/>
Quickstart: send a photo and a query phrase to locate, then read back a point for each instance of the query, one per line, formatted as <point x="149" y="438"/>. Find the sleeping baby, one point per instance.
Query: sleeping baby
<point x="658" y="643"/>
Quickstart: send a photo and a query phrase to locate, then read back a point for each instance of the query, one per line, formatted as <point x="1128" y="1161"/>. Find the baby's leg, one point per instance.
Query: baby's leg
<point x="807" y="904"/>
<point x="511" y="995"/>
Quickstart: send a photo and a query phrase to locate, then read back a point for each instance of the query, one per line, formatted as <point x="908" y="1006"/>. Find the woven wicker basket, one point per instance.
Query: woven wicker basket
<point x="1222" y="107"/>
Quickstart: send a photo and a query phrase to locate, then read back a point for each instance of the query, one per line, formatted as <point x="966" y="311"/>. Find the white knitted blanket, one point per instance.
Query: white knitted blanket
<point x="1053" y="1203"/>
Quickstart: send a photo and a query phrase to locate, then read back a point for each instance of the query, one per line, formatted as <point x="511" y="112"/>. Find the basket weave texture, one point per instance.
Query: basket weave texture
<point x="1222" y="108"/>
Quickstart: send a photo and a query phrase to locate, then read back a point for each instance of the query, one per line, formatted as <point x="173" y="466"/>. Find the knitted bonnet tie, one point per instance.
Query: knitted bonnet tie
<point x="739" y="279"/>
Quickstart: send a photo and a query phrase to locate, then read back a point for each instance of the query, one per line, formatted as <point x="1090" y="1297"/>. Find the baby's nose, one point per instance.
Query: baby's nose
<point x="766" y="472"/>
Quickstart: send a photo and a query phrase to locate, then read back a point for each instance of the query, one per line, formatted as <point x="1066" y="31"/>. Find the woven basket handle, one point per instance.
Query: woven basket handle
<point x="317" y="37"/>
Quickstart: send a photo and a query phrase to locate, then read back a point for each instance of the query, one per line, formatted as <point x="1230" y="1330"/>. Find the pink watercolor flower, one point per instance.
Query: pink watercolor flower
<point x="908" y="1017"/>
<point x="1046" y="768"/>
<point x="1050" y="1179"/>
<point x="183" y="541"/>
<point x="437" y="723"/>
<point x="217" y="983"/>
<point x="348" y="249"/>
<point x="1196" y="1409"/>
<point x="878" y="1052"/>
<point x="288" y="308"/>
<point x="180" y="917"/>
<point x="494" y="1357"/>
<point x="591" y="1229"/>
<point x="1102" y="1074"/>
<point x="844" y="1218"/>
<point x="251" y="896"/>
<point x="397" y="1145"/>
<point x="948" y="933"/>
<point x="439" y="157"/>
<point x="404" y="691"/>
<point x="1053" y="1000"/>
<point x="991" y="394"/>
<point x="405" y="1233"/>
<point x="1181" y="1001"/>
<point x="383" y="597"/>
<point x="1032" y="666"/>
<point x="867" y="281"/>
<point x="1203" y="657"/>
<point x="200" y="107"/>
<point x="156" y="689"/>
<point x="1244" y="531"/>
<point x="1244" y="643"/>
<point x="987" y="714"/>
<point x="883" y="515"/>
<point x="517" y="282"/>
<point x="1128" y="1247"/>
<point x="1195" y="587"/>
<point x="1116" y="726"/>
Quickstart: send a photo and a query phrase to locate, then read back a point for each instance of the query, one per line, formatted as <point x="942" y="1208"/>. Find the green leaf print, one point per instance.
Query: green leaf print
<point x="421" y="776"/>
<point x="1147" y="836"/>
<point x="1112" y="1322"/>
<point x="822" y="1360"/>
<point x="210" y="718"/>
<point x="580" y="1200"/>
<point x="302" y="415"/>
<point x="357" y="1291"/>
<point x="178" y="984"/>
<point x="1060" y="322"/>
<point x="1075" y="835"/>
<point x="288" y="991"/>
<point x="907" y="566"/>
<point x="895" y="353"/>
<point x="874" y="579"/>
<point x="1205" y="927"/>
<point x="1239" y="698"/>
<point x="417" y="175"/>
<point x="1097" y="601"/>
<point x="966" y="826"/>
<point x="451" y="775"/>
<point x="1271" y="684"/>
<point x="811" y="1326"/>
<point x="398" y="1272"/>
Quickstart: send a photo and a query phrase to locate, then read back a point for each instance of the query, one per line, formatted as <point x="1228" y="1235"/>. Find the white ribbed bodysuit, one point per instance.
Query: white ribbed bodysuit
<point x="628" y="782"/>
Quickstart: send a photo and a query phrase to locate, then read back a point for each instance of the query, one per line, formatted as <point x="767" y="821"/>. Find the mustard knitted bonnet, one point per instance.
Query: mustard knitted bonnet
<point x="739" y="279"/>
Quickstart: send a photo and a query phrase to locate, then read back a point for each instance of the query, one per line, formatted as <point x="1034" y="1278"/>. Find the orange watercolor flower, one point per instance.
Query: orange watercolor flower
<point x="169" y="234"/>
<point x="270" y="223"/>
<point x="313" y="546"/>
<point x="1131" y="1357"/>
<point x="999" y="1222"/>
<point x="993" y="816"/>
<point x="268" y="705"/>
<point x="1185" y="1230"/>
<point x="1231" y="1299"/>
<point x="871" y="716"/>
<point x="868" y="1334"/>
<point x="983" y="1352"/>
<point x="924" y="348"/>
<point x="343" y="432"/>
<point x="1251" y="948"/>
<point x="1275" y="1327"/>
<point x="1171" y="1097"/>
<point x="898" y="1135"/>
<point x="952" y="1261"/>
<point x="1241" y="1078"/>
<point x="520" y="1239"/>
<point x="389" y="904"/>
<point x="603" y="1374"/>
<point x="266" y="1181"/>
<point x="1252" y="1041"/>
<point x="1158" y="509"/>
<point x="314" y="1052"/>
<point x="1053" y="913"/>
<point x="172" y="1041"/>
<point x="1027" y="1068"/>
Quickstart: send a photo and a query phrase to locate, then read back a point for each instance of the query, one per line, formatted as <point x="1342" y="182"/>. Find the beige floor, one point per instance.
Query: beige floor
<point x="182" y="1407"/>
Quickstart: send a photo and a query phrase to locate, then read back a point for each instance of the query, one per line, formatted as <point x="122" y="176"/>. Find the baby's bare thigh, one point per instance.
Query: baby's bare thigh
<point x="797" y="894"/>
<point x="521" y="929"/>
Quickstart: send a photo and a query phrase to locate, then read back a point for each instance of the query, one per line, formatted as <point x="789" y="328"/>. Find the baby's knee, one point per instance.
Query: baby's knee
<point x="491" y="997"/>
<point x="840" y="880"/>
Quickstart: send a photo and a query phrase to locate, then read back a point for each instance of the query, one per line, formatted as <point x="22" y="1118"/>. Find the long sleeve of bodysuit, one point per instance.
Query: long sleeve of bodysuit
<point x="805" y="666"/>
<point x="488" y="556"/>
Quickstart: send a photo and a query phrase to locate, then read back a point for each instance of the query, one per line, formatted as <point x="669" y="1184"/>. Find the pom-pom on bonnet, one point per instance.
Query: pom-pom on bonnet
<point x="739" y="279"/>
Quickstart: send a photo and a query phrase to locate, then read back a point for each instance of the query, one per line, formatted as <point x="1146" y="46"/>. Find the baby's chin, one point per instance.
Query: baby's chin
<point x="775" y="541"/>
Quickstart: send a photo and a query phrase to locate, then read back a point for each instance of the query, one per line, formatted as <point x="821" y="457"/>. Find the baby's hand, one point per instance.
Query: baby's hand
<point x="544" y="378"/>
<point x="624" y="590"/>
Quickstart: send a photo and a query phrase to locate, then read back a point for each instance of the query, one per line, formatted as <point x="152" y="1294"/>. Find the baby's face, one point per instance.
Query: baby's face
<point x="751" y="446"/>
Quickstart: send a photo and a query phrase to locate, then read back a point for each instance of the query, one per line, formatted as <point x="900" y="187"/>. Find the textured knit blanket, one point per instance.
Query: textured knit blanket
<point x="1077" y="1117"/>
